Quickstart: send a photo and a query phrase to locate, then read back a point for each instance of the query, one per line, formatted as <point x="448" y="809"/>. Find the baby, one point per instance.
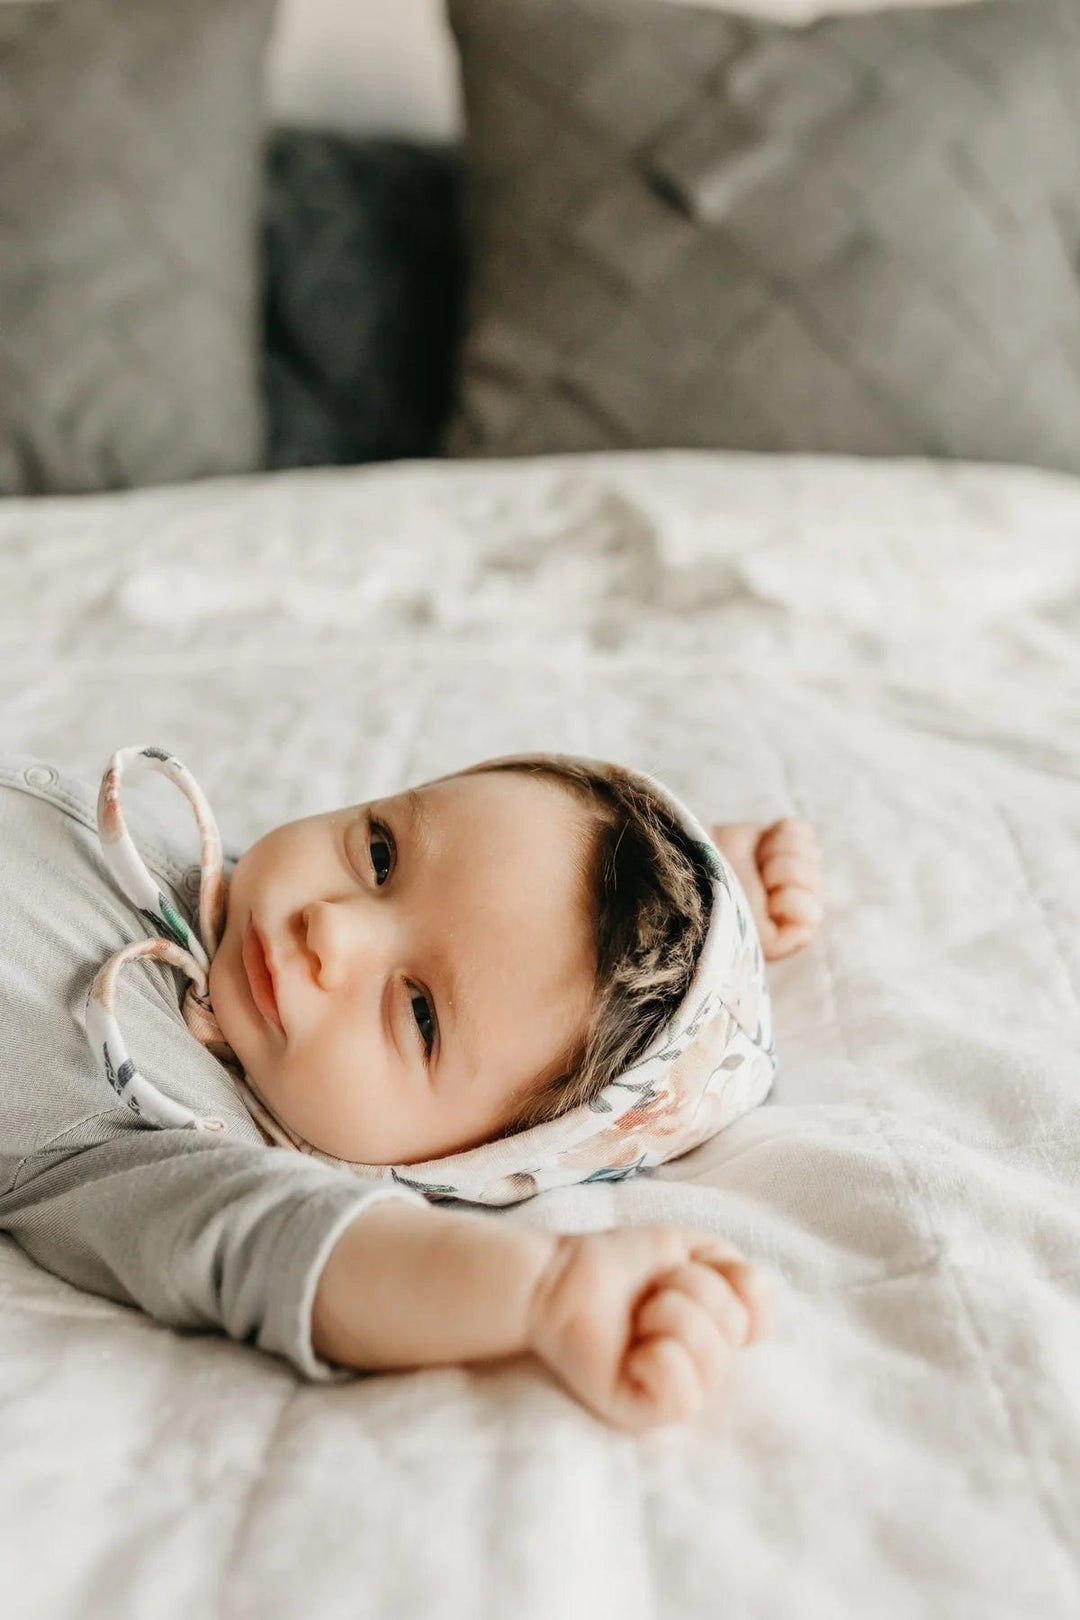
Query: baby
<point x="463" y="980"/>
<point x="432" y="959"/>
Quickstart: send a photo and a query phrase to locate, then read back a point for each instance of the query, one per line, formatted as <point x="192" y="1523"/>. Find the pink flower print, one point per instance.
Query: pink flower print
<point x="212" y="903"/>
<point x="665" y="1117"/>
<point x="665" y="1104"/>
<point x="110" y="819"/>
<point x="609" y="1149"/>
<point x="702" y="1057"/>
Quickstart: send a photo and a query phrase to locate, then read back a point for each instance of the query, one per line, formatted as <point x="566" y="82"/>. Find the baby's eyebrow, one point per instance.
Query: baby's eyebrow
<point x="420" y="821"/>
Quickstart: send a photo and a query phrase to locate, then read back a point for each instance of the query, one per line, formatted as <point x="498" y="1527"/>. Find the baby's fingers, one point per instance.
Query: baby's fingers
<point x="794" y="904"/>
<point x="791" y="836"/>
<point x="710" y="1288"/>
<point x="664" y="1385"/>
<point x="786" y="938"/>
<point x="751" y="1283"/>
<point x="777" y="870"/>
<point x="754" y="1287"/>
<point x="708" y="1339"/>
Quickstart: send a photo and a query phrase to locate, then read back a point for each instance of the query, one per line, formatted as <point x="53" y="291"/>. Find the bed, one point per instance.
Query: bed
<point x="889" y="648"/>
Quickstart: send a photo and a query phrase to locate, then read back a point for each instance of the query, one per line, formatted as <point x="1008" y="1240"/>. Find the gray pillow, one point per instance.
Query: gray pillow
<point x="130" y="174"/>
<point x="689" y="228"/>
<point x="362" y="291"/>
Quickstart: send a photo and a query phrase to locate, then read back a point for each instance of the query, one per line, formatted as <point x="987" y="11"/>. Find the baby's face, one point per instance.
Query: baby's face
<point x="449" y="917"/>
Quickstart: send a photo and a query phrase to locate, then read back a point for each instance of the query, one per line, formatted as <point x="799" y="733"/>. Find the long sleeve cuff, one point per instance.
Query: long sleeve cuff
<point x="319" y="1223"/>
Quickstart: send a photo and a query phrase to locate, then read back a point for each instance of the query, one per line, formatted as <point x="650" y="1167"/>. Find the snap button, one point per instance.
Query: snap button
<point x="193" y="879"/>
<point x="40" y="775"/>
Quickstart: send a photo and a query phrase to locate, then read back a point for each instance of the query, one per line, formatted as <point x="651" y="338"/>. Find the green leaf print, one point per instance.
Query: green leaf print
<point x="175" y="925"/>
<point x="617" y="1172"/>
<point x="711" y="860"/>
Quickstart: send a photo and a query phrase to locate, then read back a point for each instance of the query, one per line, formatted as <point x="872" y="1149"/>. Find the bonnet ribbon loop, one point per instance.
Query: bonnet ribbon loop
<point x="174" y="942"/>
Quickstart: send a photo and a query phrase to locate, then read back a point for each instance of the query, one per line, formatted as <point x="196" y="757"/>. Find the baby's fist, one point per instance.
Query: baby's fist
<point x="779" y="868"/>
<point x="641" y="1323"/>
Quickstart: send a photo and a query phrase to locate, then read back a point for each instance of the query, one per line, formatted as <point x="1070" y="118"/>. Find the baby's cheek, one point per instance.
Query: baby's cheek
<point x="332" y="1095"/>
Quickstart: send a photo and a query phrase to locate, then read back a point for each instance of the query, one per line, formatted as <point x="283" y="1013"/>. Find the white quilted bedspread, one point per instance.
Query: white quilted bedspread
<point x="892" y="650"/>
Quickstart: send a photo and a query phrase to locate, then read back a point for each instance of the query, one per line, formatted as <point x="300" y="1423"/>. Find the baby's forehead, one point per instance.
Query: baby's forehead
<point x="498" y="817"/>
<point x="510" y="891"/>
<point x="540" y="797"/>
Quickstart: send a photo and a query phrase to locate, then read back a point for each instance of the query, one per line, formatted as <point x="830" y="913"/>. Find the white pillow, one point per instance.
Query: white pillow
<point x="366" y="69"/>
<point x="392" y="70"/>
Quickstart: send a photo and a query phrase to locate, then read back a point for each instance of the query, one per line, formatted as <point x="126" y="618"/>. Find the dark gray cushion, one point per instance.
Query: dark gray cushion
<point x="363" y="281"/>
<point x="130" y="176"/>
<point x="689" y="228"/>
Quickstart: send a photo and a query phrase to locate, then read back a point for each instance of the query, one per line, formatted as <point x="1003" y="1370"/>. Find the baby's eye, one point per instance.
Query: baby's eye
<point x="422" y="1000"/>
<point x="380" y="839"/>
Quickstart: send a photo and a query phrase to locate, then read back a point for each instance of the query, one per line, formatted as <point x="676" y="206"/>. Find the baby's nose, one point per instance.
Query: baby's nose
<point x="342" y="940"/>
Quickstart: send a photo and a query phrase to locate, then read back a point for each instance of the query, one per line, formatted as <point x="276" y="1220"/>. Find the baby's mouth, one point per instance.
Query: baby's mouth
<point x="260" y="979"/>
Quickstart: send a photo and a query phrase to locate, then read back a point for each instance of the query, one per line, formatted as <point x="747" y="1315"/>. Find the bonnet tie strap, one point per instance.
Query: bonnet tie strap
<point x="173" y="942"/>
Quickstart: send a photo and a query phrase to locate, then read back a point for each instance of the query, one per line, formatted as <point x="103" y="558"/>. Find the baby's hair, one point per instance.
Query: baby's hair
<point x="648" y="895"/>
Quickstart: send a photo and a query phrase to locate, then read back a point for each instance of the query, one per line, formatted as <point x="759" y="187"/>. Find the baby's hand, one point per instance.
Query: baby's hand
<point x="642" y="1323"/>
<point x="780" y="869"/>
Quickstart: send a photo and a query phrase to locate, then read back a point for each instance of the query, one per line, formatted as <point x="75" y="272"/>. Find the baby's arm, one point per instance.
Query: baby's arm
<point x="639" y="1323"/>
<point x="199" y="1231"/>
<point x="779" y="868"/>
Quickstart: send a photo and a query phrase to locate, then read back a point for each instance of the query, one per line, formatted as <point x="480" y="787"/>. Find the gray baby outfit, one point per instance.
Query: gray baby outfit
<point x="201" y="1231"/>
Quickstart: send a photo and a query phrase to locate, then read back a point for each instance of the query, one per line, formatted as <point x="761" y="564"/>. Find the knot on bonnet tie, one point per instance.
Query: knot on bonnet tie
<point x="712" y="1061"/>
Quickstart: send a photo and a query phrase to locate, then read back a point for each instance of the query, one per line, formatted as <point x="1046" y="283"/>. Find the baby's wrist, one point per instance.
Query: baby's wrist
<point x="412" y="1286"/>
<point x="493" y="1270"/>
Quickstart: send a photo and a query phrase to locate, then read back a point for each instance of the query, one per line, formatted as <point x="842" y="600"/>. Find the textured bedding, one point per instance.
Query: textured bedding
<point x="890" y="649"/>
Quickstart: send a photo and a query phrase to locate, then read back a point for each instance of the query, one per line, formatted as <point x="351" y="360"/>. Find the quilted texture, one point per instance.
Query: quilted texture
<point x="690" y="228"/>
<point x="363" y="274"/>
<point x="890" y="649"/>
<point x="130" y="174"/>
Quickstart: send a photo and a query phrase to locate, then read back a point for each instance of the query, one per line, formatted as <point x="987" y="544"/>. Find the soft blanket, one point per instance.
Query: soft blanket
<point x="891" y="650"/>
